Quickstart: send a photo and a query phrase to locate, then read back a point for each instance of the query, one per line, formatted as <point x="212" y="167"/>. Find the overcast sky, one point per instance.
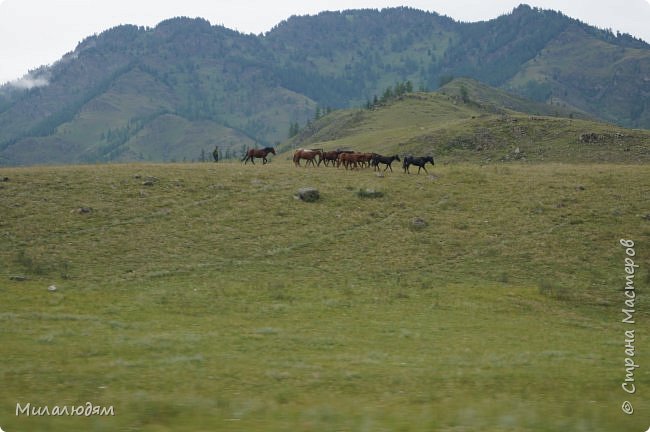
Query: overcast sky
<point x="39" y="32"/>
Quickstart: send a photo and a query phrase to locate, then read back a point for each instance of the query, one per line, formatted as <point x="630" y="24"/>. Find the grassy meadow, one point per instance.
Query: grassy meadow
<point x="205" y="297"/>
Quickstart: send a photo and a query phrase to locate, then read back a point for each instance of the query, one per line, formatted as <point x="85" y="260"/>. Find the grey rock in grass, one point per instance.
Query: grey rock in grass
<point x="83" y="210"/>
<point x="308" y="194"/>
<point x="369" y="193"/>
<point x="149" y="181"/>
<point x="418" y="223"/>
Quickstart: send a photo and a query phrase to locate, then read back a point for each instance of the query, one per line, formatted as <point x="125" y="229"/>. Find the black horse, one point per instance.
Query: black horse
<point x="251" y="154"/>
<point x="417" y="161"/>
<point x="386" y="160"/>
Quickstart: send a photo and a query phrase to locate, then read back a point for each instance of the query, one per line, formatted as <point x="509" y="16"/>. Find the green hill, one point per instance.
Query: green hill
<point x="498" y="100"/>
<point x="110" y="98"/>
<point x="474" y="128"/>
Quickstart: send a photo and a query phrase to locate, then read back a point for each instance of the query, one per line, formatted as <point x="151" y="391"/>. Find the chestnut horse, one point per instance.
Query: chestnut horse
<point x="330" y="156"/>
<point x="251" y="154"/>
<point x="309" y="155"/>
<point x="353" y="160"/>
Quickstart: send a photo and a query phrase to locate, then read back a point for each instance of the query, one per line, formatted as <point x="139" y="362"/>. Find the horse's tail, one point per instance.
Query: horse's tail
<point x="406" y="161"/>
<point x="245" y="156"/>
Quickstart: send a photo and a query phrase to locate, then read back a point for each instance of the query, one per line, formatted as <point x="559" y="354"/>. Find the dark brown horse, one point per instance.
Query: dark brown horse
<point x="251" y="154"/>
<point x="309" y="155"/>
<point x="386" y="160"/>
<point x="418" y="162"/>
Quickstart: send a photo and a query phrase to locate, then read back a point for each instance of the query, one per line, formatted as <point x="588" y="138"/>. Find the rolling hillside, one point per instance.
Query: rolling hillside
<point x="477" y="129"/>
<point x="175" y="91"/>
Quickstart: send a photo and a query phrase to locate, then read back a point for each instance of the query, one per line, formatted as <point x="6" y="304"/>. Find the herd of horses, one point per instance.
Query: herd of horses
<point x="347" y="158"/>
<point x="351" y="160"/>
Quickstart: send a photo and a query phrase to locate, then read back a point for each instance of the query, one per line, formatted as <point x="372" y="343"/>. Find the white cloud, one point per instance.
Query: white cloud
<point x="29" y="82"/>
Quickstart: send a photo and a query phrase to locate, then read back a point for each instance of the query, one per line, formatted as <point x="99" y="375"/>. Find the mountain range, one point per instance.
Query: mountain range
<point x="175" y="91"/>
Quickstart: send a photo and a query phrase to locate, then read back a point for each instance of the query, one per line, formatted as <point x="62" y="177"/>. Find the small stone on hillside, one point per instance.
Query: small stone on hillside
<point x="369" y="193"/>
<point x="308" y="194"/>
<point x="149" y="180"/>
<point x="18" y="278"/>
<point x="418" y="223"/>
<point x="83" y="210"/>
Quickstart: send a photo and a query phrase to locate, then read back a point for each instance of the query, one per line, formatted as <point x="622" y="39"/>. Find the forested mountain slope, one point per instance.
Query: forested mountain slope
<point x="175" y="91"/>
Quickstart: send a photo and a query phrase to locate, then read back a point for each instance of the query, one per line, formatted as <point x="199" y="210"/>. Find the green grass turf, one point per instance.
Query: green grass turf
<point x="204" y="297"/>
